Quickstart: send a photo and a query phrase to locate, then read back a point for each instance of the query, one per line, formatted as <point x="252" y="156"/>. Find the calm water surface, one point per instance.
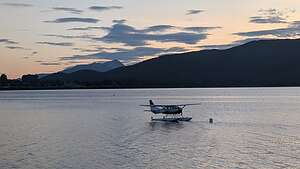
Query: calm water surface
<point x="254" y="128"/>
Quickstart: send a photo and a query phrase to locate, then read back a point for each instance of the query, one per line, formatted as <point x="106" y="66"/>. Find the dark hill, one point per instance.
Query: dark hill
<point x="80" y="76"/>
<point x="97" y="66"/>
<point x="258" y="63"/>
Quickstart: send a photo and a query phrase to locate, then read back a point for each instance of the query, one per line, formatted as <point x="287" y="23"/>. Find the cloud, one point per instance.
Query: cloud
<point x="32" y="54"/>
<point x="158" y="28"/>
<point x="119" y="21"/>
<point x="271" y="16"/>
<point x="126" y="54"/>
<point x="194" y="11"/>
<point x="86" y="50"/>
<point x="73" y="19"/>
<point x="263" y="20"/>
<point x="7" y="41"/>
<point x="101" y="48"/>
<point x="16" y="47"/>
<point x="104" y="8"/>
<point x="233" y="44"/>
<point x="224" y="46"/>
<point x="175" y="50"/>
<point x="292" y="31"/>
<point x="50" y="63"/>
<point x="70" y="36"/>
<point x="137" y="41"/>
<point x="74" y="62"/>
<point x="200" y="29"/>
<point x="87" y="28"/>
<point x="17" y="4"/>
<point x="56" y="43"/>
<point x="71" y="10"/>
<point x="130" y="36"/>
<point x="247" y="40"/>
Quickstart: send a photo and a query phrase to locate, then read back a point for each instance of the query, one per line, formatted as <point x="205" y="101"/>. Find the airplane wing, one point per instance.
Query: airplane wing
<point x="158" y="105"/>
<point x="166" y="105"/>
<point x="193" y="104"/>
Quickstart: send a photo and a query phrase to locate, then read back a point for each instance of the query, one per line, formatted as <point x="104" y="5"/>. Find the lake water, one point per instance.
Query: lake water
<point x="254" y="128"/>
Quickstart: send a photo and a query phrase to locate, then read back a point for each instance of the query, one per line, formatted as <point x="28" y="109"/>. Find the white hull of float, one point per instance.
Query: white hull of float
<point x="172" y="119"/>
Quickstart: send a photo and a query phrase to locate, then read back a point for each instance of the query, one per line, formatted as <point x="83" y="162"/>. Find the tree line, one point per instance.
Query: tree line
<point x="27" y="81"/>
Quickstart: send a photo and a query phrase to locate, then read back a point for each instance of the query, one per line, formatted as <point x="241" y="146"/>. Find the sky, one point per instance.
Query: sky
<point x="38" y="36"/>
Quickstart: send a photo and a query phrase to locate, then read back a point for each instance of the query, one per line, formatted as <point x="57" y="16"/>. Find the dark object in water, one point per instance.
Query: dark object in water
<point x="211" y="121"/>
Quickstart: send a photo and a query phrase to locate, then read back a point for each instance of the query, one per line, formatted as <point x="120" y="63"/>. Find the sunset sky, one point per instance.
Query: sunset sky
<point x="40" y="36"/>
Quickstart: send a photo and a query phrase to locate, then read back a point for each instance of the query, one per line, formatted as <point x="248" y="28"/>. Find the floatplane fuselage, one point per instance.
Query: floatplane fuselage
<point x="171" y="113"/>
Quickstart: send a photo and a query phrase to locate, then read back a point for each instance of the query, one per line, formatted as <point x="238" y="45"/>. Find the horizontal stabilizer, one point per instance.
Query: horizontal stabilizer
<point x="145" y="105"/>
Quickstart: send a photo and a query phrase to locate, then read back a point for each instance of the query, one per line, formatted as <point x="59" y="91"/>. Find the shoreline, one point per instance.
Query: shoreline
<point x="146" y="87"/>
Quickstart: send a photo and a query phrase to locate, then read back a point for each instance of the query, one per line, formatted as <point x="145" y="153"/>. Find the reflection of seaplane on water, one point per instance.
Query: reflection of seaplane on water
<point x="171" y="113"/>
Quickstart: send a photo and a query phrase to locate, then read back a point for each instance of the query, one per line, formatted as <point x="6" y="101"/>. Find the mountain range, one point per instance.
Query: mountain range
<point x="97" y="66"/>
<point x="257" y="63"/>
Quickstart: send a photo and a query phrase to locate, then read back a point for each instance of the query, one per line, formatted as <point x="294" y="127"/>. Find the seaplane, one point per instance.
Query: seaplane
<point x="171" y="113"/>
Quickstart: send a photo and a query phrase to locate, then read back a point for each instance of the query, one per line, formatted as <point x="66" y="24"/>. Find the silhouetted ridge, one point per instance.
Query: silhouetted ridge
<point x="257" y="63"/>
<point x="97" y="66"/>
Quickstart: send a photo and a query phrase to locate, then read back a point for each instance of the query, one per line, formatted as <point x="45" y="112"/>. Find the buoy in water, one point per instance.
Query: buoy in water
<point x="211" y="120"/>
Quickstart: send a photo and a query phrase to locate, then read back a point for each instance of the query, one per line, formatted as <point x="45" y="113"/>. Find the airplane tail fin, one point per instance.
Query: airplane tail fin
<point x="151" y="102"/>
